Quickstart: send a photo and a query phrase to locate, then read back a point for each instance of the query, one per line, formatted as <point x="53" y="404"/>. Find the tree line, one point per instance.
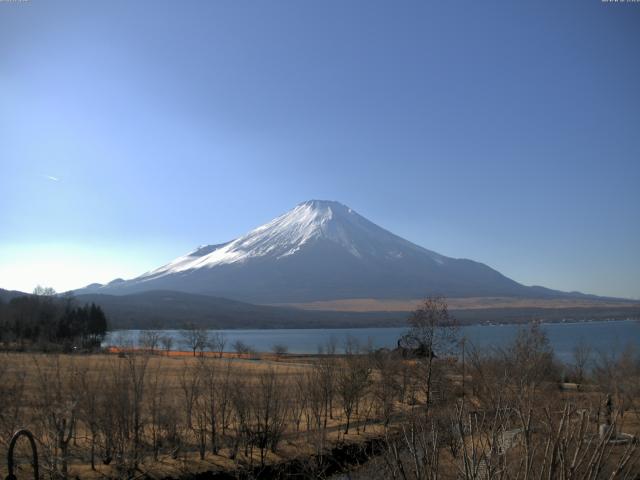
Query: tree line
<point x="45" y="320"/>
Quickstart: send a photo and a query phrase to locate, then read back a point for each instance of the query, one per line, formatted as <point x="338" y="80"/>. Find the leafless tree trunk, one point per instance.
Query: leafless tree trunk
<point x="58" y="404"/>
<point x="352" y="381"/>
<point x="196" y="338"/>
<point x="218" y="342"/>
<point x="155" y="403"/>
<point x="432" y="332"/>
<point x="90" y="385"/>
<point x="268" y="413"/>
<point x="149" y="340"/>
<point x="137" y="366"/>
<point x="167" y="342"/>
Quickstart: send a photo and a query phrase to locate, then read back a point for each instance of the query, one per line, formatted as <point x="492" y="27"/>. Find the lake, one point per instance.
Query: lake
<point x="602" y="336"/>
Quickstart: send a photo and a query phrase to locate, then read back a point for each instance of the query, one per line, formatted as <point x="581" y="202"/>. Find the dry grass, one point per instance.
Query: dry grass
<point x="288" y="369"/>
<point x="408" y="305"/>
<point x="172" y="368"/>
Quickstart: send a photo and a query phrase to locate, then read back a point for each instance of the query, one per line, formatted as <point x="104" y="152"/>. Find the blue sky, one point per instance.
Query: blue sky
<point x="505" y="132"/>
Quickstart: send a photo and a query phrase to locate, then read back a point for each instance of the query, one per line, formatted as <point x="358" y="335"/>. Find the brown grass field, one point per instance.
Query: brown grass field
<point x="470" y="303"/>
<point x="167" y="397"/>
<point x="172" y="368"/>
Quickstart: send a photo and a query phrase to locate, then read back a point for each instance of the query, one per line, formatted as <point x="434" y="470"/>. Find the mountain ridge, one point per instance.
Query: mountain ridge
<point x="322" y="250"/>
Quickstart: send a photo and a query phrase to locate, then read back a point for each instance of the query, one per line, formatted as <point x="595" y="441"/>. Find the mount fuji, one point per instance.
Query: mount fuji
<point x="319" y="251"/>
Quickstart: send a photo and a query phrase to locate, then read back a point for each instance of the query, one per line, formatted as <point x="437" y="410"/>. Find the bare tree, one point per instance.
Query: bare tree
<point x="242" y="348"/>
<point x="189" y="381"/>
<point x="58" y="407"/>
<point x="201" y="410"/>
<point x="156" y="403"/>
<point x="121" y="411"/>
<point x="112" y="405"/>
<point x="618" y="374"/>
<point x="582" y="353"/>
<point x="149" y="340"/>
<point x="218" y="342"/>
<point x="279" y="349"/>
<point x="213" y="383"/>
<point x="136" y="369"/>
<point x="196" y="339"/>
<point x="314" y="386"/>
<point x="326" y="368"/>
<point x="414" y="452"/>
<point x="386" y="387"/>
<point x="241" y="402"/>
<point x="41" y="291"/>
<point x="90" y="387"/>
<point x="352" y="381"/>
<point x="170" y="428"/>
<point x="432" y="332"/>
<point x="298" y="400"/>
<point x="167" y="342"/>
<point x="268" y="413"/>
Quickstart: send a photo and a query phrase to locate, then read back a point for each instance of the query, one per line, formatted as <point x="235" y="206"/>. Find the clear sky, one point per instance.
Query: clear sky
<point x="507" y="132"/>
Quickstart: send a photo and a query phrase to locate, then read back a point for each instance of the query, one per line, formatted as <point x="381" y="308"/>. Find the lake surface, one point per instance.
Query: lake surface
<point x="601" y="336"/>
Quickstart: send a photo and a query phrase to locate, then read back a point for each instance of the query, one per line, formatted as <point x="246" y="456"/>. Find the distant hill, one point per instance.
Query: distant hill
<point x="319" y="251"/>
<point x="167" y="309"/>
<point x="170" y="309"/>
<point x="7" y="295"/>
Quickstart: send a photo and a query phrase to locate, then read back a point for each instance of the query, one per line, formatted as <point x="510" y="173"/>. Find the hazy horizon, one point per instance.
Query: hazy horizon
<point x="507" y="133"/>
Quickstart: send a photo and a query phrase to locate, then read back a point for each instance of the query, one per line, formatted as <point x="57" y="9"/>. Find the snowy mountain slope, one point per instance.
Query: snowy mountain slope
<point x="291" y="232"/>
<point x="321" y="250"/>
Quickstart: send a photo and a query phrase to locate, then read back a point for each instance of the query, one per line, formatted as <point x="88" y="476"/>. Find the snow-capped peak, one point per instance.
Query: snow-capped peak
<point x="293" y="231"/>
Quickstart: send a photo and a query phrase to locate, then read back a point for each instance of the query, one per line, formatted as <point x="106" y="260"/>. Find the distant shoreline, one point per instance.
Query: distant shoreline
<point x="399" y="325"/>
<point x="364" y="305"/>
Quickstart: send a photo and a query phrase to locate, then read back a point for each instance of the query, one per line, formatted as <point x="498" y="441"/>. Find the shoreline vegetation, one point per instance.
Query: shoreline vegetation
<point x="45" y="321"/>
<point x="478" y="324"/>
<point x="420" y="411"/>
